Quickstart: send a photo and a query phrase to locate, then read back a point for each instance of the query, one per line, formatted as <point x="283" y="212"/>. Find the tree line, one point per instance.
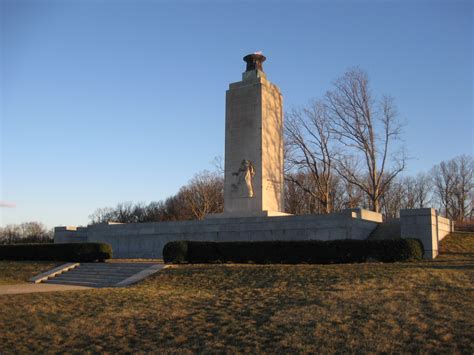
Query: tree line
<point x="28" y="232"/>
<point x="343" y="150"/>
<point x="203" y="194"/>
<point x="447" y="187"/>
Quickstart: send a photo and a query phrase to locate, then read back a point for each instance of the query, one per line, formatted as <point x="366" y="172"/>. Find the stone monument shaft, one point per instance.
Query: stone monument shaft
<point x="253" y="144"/>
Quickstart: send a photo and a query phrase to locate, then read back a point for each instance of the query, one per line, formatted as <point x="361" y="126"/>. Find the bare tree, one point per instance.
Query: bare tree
<point x="154" y="212"/>
<point x="28" y="232"/>
<point x="408" y="187"/>
<point x="295" y="198"/>
<point x="309" y="151"/>
<point x="9" y="234"/>
<point x="423" y="189"/>
<point x="351" y="196"/>
<point x="102" y="215"/>
<point x="204" y="194"/>
<point x="177" y="208"/>
<point x="444" y="182"/>
<point x="405" y="192"/>
<point x="124" y="212"/>
<point x="453" y="183"/>
<point x="393" y="199"/>
<point x="367" y="130"/>
<point x="464" y="186"/>
<point x="218" y="163"/>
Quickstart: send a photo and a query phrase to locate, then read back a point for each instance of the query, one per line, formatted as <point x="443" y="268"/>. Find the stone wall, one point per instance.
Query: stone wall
<point x="445" y="226"/>
<point x="70" y="234"/>
<point x="425" y="224"/>
<point x="146" y="240"/>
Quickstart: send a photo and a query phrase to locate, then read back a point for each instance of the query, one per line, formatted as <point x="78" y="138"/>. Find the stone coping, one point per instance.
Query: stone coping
<point x="418" y="212"/>
<point x="355" y="213"/>
<point x="140" y="275"/>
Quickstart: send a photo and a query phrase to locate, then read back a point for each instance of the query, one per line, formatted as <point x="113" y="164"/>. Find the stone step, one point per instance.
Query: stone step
<point x="81" y="283"/>
<point x="98" y="274"/>
<point x="117" y="264"/>
<point x="111" y="269"/>
<point x="102" y="275"/>
<point x="114" y="266"/>
<point x="86" y="279"/>
<point x="97" y="282"/>
<point x="105" y="272"/>
<point x="94" y="277"/>
<point x="89" y="277"/>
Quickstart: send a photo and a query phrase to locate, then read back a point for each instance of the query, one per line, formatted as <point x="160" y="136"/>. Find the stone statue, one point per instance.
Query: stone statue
<point x="245" y="174"/>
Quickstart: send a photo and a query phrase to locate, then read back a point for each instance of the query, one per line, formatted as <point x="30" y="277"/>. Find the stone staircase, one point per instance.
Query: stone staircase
<point x="113" y="274"/>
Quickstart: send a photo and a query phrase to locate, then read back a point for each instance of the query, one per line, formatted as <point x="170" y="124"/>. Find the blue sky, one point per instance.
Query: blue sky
<point x="111" y="101"/>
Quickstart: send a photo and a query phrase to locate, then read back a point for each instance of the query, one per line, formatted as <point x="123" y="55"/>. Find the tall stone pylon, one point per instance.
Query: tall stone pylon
<point x="253" y="145"/>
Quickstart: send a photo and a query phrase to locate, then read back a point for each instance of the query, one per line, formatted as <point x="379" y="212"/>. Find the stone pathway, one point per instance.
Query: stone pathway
<point x="33" y="288"/>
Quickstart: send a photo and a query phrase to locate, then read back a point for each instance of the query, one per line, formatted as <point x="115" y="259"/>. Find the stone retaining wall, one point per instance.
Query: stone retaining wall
<point x="146" y="240"/>
<point x="445" y="226"/>
<point x="425" y="224"/>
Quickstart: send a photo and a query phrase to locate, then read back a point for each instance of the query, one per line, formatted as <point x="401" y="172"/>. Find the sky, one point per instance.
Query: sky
<point x="103" y="102"/>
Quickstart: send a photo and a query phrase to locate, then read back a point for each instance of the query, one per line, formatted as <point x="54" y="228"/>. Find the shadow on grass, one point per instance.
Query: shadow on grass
<point x="452" y="267"/>
<point x="467" y="255"/>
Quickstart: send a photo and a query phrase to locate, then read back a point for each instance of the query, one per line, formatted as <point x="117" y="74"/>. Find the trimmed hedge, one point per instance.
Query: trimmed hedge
<point x="293" y="252"/>
<point x="177" y="251"/>
<point x="57" y="252"/>
<point x="396" y="250"/>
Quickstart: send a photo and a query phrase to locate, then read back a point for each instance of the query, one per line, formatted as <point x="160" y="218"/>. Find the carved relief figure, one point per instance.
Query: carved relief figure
<point x="243" y="186"/>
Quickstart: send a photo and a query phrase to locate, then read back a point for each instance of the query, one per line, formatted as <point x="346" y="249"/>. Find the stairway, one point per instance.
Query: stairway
<point x="105" y="274"/>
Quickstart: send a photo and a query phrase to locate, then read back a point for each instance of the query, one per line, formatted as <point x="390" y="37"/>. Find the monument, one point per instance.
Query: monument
<point x="253" y="191"/>
<point x="253" y="145"/>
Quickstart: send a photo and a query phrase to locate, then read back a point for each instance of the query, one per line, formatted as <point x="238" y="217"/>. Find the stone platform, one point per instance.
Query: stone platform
<point x="146" y="240"/>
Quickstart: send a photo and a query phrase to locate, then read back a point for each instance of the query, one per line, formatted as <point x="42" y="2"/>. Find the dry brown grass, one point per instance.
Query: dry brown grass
<point x="14" y="272"/>
<point x="373" y="307"/>
<point x="458" y="245"/>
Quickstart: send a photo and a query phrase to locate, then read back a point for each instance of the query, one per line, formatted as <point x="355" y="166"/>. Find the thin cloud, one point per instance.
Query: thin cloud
<point x="7" y="204"/>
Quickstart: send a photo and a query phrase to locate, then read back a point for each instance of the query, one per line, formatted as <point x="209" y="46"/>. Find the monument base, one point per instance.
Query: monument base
<point x="246" y="214"/>
<point x="146" y="240"/>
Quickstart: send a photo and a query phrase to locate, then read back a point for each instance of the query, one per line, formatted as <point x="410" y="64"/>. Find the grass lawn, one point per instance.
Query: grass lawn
<point x="373" y="307"/>
<point x="15" y="272"/>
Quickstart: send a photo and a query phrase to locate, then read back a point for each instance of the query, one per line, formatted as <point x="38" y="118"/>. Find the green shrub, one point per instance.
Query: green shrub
<point x="175" y="252"/>
<point x="57" y="252"/>
<point x="293" y="252"/>
<point x="396" y="250"/>
<point x="203" y="252"/>
<point x="415" y="249"/>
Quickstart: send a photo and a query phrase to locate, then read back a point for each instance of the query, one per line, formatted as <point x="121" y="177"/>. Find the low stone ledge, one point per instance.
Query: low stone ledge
<point x="140" y="276"/>
<point x="417" y="212"/>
